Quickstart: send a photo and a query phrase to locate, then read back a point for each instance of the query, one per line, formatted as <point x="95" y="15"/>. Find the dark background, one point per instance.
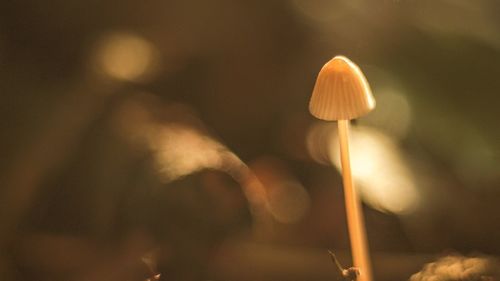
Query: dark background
<point x="88" y="87"/>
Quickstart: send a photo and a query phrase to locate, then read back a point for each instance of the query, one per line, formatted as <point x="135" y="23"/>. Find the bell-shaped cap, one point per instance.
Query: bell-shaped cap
<point x="341" y="92"/>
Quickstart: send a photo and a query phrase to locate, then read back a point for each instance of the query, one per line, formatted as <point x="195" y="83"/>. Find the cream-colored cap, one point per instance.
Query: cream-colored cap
<point x="341" y="92"/>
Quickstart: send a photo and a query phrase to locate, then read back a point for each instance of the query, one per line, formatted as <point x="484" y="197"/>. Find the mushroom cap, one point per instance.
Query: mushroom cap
<point x="341" y="92"/>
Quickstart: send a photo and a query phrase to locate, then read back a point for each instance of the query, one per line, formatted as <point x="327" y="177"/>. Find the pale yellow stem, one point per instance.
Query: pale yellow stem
<point x="355" y="220"/>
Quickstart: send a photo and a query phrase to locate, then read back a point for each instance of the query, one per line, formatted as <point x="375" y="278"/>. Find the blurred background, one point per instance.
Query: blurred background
<point x="171" y="139"/>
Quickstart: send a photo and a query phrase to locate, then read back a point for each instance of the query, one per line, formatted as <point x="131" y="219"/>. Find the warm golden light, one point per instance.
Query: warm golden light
<point x="341" y="92"/>
<point x="182" y="147"/>
<point x="179" y="147"/>
<point x="125" y="56"/>
<point x="181" y="150"/>
<point x="379" y="169"/>
<point x="385" y="182"/>
<point x="318" y="141"/>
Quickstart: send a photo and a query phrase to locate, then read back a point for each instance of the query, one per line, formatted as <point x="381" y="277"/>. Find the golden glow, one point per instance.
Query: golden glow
<point x="318" y="141"/>
<point x="384" y="180"/>
<point x="355" y="218"/>
<point x="156" y="277"/>
<point x="125" y="56"/>
<point x="181" y="150"/>
<point x="341" y="91"/>
<point x="382" y="176"/>
<point x="379" y="170"/>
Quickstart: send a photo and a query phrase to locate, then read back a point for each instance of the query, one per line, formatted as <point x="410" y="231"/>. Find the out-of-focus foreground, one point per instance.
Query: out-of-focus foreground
<point x="172" y="137"/>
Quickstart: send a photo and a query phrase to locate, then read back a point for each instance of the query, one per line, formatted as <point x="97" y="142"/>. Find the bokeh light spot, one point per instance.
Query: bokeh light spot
<point x="379" y="170"/>
<point x="125" y="56"/>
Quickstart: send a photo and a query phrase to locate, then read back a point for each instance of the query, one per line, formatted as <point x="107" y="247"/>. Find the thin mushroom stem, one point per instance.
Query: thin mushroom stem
<point x="355" y="220"/>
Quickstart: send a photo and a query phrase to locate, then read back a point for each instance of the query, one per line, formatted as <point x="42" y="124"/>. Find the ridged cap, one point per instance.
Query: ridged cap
<point x="341" y="92"/>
